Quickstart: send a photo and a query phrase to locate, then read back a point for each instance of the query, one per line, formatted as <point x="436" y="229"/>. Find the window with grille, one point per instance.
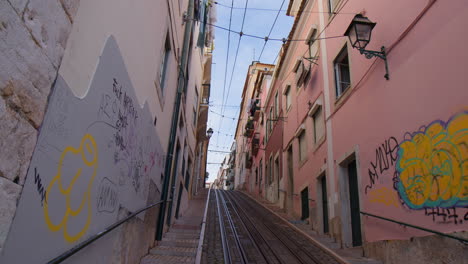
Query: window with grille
<point x="342" y="74"/>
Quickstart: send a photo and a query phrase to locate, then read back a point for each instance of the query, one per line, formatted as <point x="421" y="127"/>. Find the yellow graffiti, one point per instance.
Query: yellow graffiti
<point x="433" y="165"/>
<point x="89" y="155"/>
<point x="384" y="196"/>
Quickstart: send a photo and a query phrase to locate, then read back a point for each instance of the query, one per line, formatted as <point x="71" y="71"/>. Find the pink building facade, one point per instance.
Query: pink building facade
<point x="356" y="146"/>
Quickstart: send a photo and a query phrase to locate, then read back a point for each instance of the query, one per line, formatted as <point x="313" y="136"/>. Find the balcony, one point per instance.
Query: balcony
<point x="249" y="128"/>
<point x="255" y="109"/>
<point x="255" y="144"/>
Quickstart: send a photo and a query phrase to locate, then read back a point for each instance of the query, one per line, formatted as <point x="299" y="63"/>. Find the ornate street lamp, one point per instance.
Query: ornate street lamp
<point x="359" y="34"/>
<point x="209" y="133"/>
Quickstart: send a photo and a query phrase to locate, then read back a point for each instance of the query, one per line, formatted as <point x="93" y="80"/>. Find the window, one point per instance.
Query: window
<point x="290" y="163"/>
<point x="164" y="63"/>
<point x="260" y="169"/>
<point x="287" y="94"/>
<point x="270" y="171"/>
<point x="194" y="117"/>
<point x="187" y="174"/>
<point x="319" y="128"/>
<point x="269" y="124"/>
<point x="342" y="75"/>
<point x="302" y="146"/>
<point x="278" y="175"/>
<point x="196" y="96"/>
<point x="256" y="176"/>
<point x="332" y="5"/>
<point x="276" y="105"/>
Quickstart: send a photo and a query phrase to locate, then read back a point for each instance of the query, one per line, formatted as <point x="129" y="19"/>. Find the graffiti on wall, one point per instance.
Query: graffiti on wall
<point x="447" y="215"/>
<point x="433" y="165"/>
<point x="385" y="196"/>
<point x="385" y="157"/>
<point x="88" y="155"/>
<point x="428" y="169"/>
<point x="94" y="156"/>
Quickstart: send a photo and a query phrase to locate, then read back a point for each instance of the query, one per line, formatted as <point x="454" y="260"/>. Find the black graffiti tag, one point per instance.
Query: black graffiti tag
<point x="40" y="187"/>
<point x="107" y="196"/>
<point x="385" y="157"/>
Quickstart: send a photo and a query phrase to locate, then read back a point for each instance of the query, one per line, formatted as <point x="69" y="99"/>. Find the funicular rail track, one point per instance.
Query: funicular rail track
<point x="252" y="234"/>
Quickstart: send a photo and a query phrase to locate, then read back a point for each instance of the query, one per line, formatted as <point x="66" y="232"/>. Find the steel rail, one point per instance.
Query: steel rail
<point x="95" y="237"/>
<point x="234" y="231"/>
<point x="250" y="230"/>
<point x="225" y="193"/>
<point x="285" y="244"/>
<point x="222" y="230"/>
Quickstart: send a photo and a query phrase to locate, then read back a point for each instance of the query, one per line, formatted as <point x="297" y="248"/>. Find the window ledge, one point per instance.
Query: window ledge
<point x="318" y="144"/>
<point x="340" y="100"/>
<point x="304" y="161"/>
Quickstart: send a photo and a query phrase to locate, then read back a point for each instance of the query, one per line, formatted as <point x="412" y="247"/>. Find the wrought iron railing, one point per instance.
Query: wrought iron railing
<point x="95" y="237"/>
<point x="465" y="241"/>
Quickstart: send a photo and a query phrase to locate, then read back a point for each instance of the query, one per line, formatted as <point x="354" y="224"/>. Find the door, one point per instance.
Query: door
<point x="323" y="183"/>
<point x="181" y="187"/>
<point x="172" y="190"/>
<point x="354" y="204"/>
<point x="305" y="203"/>
<point x="290" y="192"/>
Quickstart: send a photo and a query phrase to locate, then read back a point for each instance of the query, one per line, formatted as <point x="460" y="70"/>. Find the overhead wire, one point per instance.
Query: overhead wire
<point x="276" y="10"/>
<point x="237" y="53"/>
<point x="284" y="40"/>
<point x="271" y="29"/>
<point x="227" y="62"/>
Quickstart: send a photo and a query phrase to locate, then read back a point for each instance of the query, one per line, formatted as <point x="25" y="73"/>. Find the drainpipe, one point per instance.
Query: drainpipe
<point x="175" y="117"/>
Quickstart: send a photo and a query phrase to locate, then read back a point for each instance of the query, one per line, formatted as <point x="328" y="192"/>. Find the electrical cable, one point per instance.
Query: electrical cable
<point x="276" y="10"/>
<point x="284" y="40"/>
<point x="227" y="63"/>
<point x="237" y="52"/>
<point x="271" y="29"/>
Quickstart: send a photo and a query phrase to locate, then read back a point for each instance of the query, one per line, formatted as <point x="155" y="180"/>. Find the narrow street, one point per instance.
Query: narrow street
<point x="252" y="234"/>
<point x="233" y="131"/>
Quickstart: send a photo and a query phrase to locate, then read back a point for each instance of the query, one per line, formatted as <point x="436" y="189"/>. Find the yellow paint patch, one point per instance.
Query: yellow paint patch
<point x="89" y="160"/>
<point x="383" y="196"/>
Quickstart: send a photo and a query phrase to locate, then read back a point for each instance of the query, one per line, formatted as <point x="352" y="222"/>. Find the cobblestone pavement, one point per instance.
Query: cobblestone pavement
<point x="212" y="245"/>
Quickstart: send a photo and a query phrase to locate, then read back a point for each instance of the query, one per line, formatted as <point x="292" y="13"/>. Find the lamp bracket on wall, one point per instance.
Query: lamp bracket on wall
<point x="369" y="54"/>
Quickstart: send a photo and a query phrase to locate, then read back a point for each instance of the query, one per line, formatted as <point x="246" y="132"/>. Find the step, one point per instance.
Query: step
<point x="158" y="259"/>
<point x="182" y="235"/>
<point x="184" y="231"/>
<point x="179" y="243"/>
<point x="174" y="251"/>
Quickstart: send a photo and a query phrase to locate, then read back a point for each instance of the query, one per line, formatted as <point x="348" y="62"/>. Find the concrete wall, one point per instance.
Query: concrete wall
<point x="35" y="37"/>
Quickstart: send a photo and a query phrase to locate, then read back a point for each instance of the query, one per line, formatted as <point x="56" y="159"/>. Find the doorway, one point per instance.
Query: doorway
<point x="181" y="187"/>
<point x="323" y="184"/>
<point x="173" y="181"/>
<point x="290" y="192"/>
<point x="354" y="204"/>
<point x="305" y="203"/>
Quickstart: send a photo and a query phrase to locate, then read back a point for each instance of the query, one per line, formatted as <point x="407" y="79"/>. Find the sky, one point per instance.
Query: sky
<point x="222" y="116"/>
